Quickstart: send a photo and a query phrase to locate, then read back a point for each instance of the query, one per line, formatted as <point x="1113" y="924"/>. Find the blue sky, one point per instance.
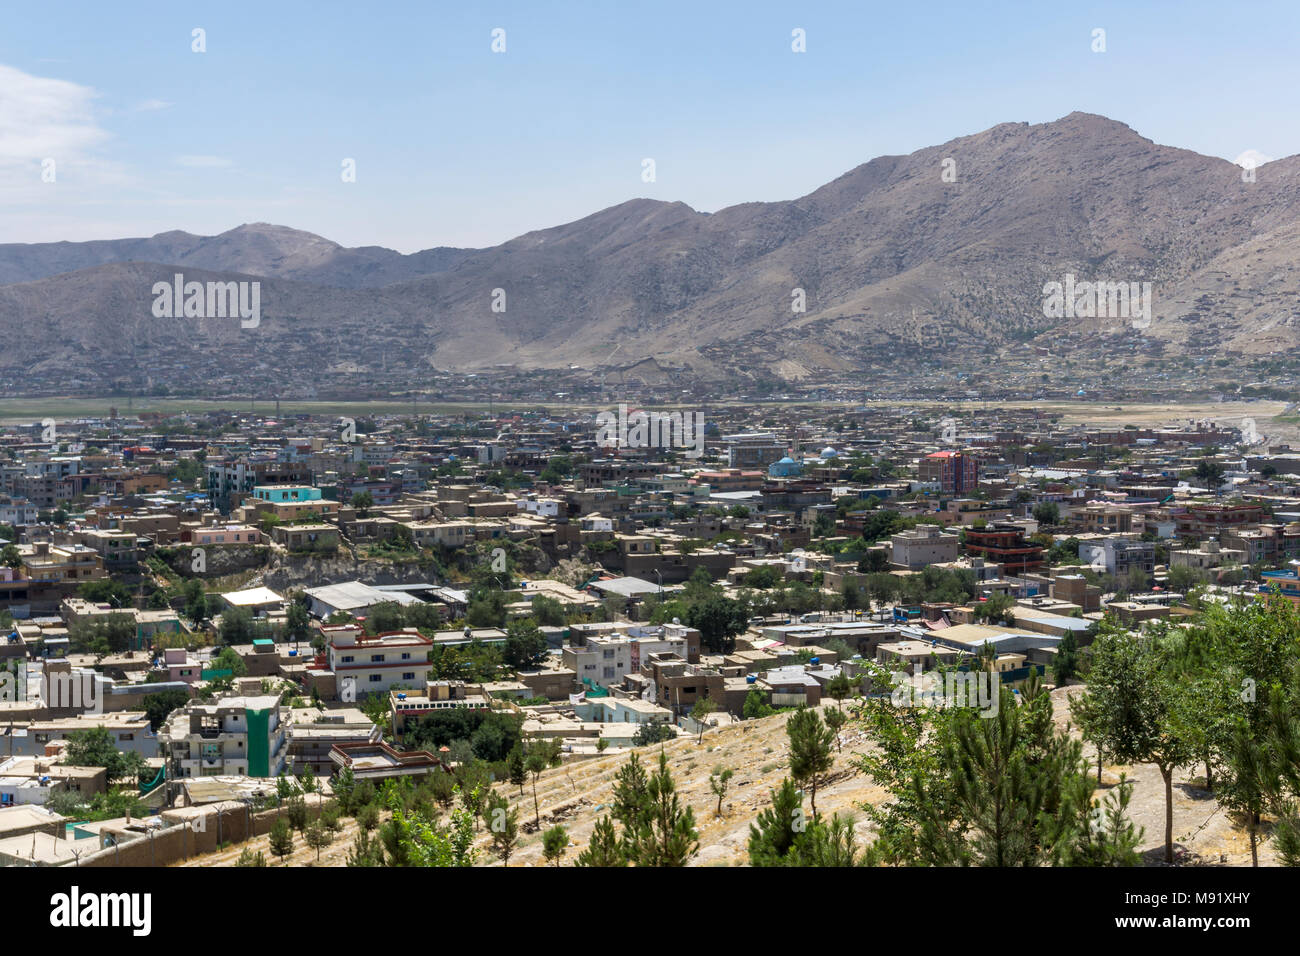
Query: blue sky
<point x="457" y="145"/>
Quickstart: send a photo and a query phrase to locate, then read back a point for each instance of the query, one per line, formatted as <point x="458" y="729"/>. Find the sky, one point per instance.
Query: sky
<point x="113" y="125"/>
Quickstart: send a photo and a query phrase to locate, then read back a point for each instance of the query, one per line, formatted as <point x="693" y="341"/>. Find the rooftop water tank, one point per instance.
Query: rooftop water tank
<point x="751" y="678"/>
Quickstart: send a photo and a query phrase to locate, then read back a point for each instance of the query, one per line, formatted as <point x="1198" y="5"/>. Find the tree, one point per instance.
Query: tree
<point x="10" y="557"/>
<point x="1105" y="836"/>
<point x="249" y="858"/>
<point x="835" y="720"/>
<point x="810" y="750"/>
<point x="363" y="501"/>
<point x="237" y="626"/>
<point x="1138" y="702"/>
<point x="604" y="848"/>
<point x="704" y="706"/>
<point x="281" y="838"/>
<point x="719" y="778"/>
<point x="525" y="645"/>
<point x="318" y="837"/>
<point x="503" y="821"/>
<point x="518" y="772"/>
<point x="839" y="687"/>
<point x="548" y="612"/>
<point x="773" y="834"/>
<point x="158" y="707"/>
<point x="719" y="620"/>
<point x="539" y="758"/>
<point x="296" y="812"/>
<point x="97" y="748"/>
<point x="653" y="733"/>
<point x="297" y="622"/>
<point x="669" y="838"/>
<point x="756" y="705"/>
<point x="554" y="842"/>
<point x="368" y="817"/>
<point x="1047" y="513"/>
<point x="1066" y="663"/>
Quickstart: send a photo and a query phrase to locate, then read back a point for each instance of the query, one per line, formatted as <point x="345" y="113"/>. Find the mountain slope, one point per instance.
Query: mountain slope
<point x="890" y="257"/>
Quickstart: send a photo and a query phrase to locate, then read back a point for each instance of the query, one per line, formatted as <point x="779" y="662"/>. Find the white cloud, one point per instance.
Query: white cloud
<point x="42" y="118"/>
<point x="150" y="105"/>
<point x="202" y="162"/>
<point x="1252" y="159"/>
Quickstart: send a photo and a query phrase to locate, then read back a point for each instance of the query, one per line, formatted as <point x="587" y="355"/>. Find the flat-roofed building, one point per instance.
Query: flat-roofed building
<point x="376" y="664"/>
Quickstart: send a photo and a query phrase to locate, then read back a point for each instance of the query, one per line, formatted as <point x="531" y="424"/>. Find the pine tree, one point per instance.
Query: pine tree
<point x="515" y="765"/>
<point x="281" y="838"/>
<point x="554" y="842"/>
<point x="671" y="838"/>
<point x="503" y="822"/>
<point x="773" y="834"/>
<point x="605" y="849"/>
<point x="810" y="751"/>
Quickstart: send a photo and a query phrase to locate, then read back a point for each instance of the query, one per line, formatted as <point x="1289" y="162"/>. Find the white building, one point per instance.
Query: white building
<point x="362" y="664"/>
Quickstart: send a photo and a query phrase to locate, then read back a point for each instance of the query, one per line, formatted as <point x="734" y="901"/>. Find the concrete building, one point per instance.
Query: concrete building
<point x="241" y="736"/>
<point x="376" y="664"/>
<point x="924" y="545"/>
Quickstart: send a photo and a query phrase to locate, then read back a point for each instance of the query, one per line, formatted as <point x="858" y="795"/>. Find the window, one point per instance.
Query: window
<point x="376" y="658"/>
<point x="406" y="657"/>
<point x="348" y="659"/>
<point x="376" y="678"/>
<point x="409" y="675"/>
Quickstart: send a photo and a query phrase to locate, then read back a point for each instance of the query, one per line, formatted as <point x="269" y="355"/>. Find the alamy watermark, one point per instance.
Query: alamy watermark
<point x="978" y="689"/>
<point x="642" y="429"/>
<point x="78" y="691"/>
<point x="1087" y="300"/>
<point x="213" y="300"/>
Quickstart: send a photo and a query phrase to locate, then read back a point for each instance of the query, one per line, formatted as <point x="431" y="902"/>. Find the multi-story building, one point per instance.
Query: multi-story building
<point x="955" y="472"/>
<point x="18" y="512"/>
<point x="924" y="545"/>
<point x="230" y="479"/>
<point x="1006" y="544"/>
<point x="239" y="736"/>
<point x="753" y="449"/>
<point x="606" y="657"/>
<point x="410" y="705"/>
<point x="376" y="664"/>
<point x="1211" y="518"/>
<point x="1119" y="555"/>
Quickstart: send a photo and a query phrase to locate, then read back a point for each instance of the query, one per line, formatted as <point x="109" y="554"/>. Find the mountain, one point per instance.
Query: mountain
<point x="891" y="258"/>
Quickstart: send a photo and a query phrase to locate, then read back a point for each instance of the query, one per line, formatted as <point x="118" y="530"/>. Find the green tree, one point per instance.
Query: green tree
<point x="604" y="849"/>
<point x="773" y="834"/>
<point x="704" y="706"/>
<point x="554" y="842"/>
<point x="97" y="748"/>
<point x="669" y="838"/>
<point x="318" y="837"/>
<point x="1066" y="663"/>
<point x="503" y="821"/>
<point x="158" y="707"/>
<point x="517" y="769"/>
<point x="1139" y="701"/>
<point x="525" y="645"/>
<point x="810" y="750"/>
<point x="719" y="779"/>
<point x="281" y="838"/>
<point x="835" y="720"/>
